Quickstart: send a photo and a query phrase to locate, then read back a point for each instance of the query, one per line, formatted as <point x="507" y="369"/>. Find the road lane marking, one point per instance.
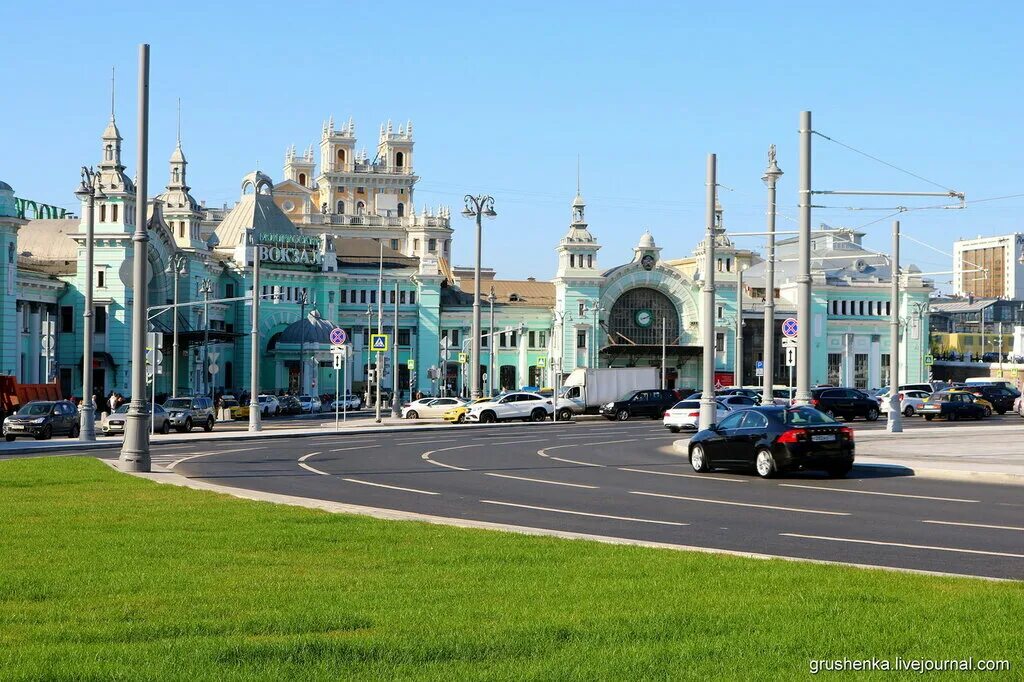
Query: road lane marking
<point x="355" y="447"/>
<point x="516" y="442"/>
<point x="872" y="492"/>
<point x="669" y="473"/>
<point x="975" y="525"/>
<point x="314" y="470"/>
<point x="421" y="442"/>
<point x="544" y="453"/>
<point x="540" y="480"/>
<point x="426" y="456"/>
<point x="903" y="544"/>
<point x="207" y="454"/>
<point x="305" y="457"/>
<point x="741" y="504"/>
<point x="579" y="513"/>
<point x="392" y="487"/>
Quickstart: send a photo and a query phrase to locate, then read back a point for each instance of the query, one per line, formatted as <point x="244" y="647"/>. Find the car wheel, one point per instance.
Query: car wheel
<point x="765" y="463"/>
<point x="908" y="411"/>
<point x="45" y="433"/>
<point x="75" y="430"/>
<point x="538" y="415"/>
<point x="673" y="429"/>
<point x="872" y="414"/>
<point x="166" y="428"/>
<point x="622" y="415"/>
<point x="488" y="418"/>
<point x="411" y="414"/>
<point x="929" y="417"/>
<point x="208" y="426"/>
<point x="698" y="461"/>
<point x="988" y="412"/>
<point x="188" y="425"/>
<point x="564" y="414"/>
<point x="10" y="439"/>
<point x="839" y="471"/>
<point x="462" y="418"/>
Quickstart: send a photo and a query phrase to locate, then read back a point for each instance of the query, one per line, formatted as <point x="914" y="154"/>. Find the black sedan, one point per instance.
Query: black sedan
<point x="775" y="439"/>
<point x="847" y="403"/>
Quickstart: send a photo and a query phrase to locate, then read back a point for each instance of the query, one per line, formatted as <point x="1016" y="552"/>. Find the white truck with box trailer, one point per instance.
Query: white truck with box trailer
<point x="586" y="389"/>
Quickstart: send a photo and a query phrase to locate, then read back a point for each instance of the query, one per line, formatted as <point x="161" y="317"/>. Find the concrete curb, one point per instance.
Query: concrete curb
<point x="245" y="435"/>
<point x="911" y="469"/>
<point x="166" y="477"/>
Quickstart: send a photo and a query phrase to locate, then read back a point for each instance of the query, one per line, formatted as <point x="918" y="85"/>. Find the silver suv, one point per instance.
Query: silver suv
<point x="185" y="413"/>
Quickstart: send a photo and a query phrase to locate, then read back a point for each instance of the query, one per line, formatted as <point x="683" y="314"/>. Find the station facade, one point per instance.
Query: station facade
<point x="341" y="241"/>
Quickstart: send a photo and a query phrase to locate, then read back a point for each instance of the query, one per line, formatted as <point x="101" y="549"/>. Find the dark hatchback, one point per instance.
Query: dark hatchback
<point x="650" y="403"/>
<point x="847" y="403"/>
<point x="951" y="405"/>
<point x="289" y="404"/>
<point x="42" y="419"/>
<point x="1002" y="398"/>
<point x="772" y="440"/>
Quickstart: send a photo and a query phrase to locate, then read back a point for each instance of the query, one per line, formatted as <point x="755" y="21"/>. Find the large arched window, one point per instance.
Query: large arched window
<point x="302" y="179"/>
<point x="341" y="207"/>
<point x="400" y="159"/>
<point x="401" y="210"/>
<point x="341" y="155"/>
<point x="360" y="208"/>
<point x="636" y="318"/>
<point x="110" y="152"/>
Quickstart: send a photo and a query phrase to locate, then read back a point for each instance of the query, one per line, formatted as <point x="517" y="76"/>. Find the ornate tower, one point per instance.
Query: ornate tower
<point x="577" y="291"/>
<point x="181" y="211"/>
<point x="299" y="169"/>
<point x="116" y="213"/>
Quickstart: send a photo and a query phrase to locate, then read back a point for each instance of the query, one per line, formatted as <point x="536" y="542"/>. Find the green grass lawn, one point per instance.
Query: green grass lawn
<point x="104" y="576"/>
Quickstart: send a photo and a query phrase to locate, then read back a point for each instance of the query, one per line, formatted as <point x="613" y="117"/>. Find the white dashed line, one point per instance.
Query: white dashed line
<point x="740" y="504"/>
<point x="544" y="453"/>
<point x="426" y="456"/>
<point x="669" y="473"/>
<point x="315" y="471"/>
<point x="872" y="492"/>
<point x="902" y="544"/>
<point x="540" y="480"/>
<point x="975" y="525"/>
<point x="579" y="513"/>
<point x="391" y="487"/>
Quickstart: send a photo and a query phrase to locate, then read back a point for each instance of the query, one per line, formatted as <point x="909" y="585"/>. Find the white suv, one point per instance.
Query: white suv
<point x="519" y="405"/>
<point x="268" y="405"/>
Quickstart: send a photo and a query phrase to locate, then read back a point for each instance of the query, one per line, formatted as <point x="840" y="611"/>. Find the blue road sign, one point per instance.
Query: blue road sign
<point x="789" y="327"/>
<point x="338" y="336"/>
<point x="759" y="364"/>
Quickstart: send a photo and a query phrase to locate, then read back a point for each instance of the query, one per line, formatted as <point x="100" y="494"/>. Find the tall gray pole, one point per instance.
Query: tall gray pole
<point x="302" y="347"/>
<point x="663" y="386"/>
<point x="379" y="375"/>
<point x="490" y="347"/>
<point x="174" y="343"/>
<point x="803" y="305"/>
<point x="135" y="450"/>
<point x="87" y="416"/>
<point x="707" y="396"/>
<point x="895" y="421"/>
<point x="255" y="417"/>
<point x="771" y="176"/>
<point x="207" y="377"/>
<point x="395" y="403"/>
<point x="474" y="349"/>
<point x="738" y="364"/>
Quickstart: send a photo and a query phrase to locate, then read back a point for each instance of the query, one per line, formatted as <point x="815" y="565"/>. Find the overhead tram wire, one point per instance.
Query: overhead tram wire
<point x="884" y="163"/>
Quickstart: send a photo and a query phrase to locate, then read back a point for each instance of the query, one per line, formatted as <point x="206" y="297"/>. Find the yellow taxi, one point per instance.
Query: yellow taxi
<point x="980" y="401"/>
<point x="238" y="411"/>
<point x="457" y="415"/>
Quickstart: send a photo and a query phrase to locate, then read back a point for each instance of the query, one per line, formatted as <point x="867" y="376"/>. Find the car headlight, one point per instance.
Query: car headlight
<point x="39" y="420"/>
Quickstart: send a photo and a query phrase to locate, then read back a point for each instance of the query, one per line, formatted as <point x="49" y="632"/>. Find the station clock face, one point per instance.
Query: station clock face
<point x="643" y="317"/>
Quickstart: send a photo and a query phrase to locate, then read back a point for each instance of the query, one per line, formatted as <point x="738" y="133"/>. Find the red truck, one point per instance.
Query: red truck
<point x="13" y="395"/>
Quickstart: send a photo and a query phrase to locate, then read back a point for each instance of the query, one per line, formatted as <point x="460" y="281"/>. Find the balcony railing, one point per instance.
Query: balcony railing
<point x="370" y="220"/>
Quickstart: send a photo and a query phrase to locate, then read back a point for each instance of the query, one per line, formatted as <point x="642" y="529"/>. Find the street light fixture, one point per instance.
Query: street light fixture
<point x="476" y="207"/>
<point x="88" y="190"/>
<point x="176" y="268"/>
<point x="206" y="288"/>
<point x="491" y="298"/>
<point x="596" y="308"/>
<point x="770" y="178"/>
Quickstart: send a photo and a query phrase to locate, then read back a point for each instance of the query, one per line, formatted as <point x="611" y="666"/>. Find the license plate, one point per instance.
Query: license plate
<point x="823" y="438"/>
<point x="15" y="427"/>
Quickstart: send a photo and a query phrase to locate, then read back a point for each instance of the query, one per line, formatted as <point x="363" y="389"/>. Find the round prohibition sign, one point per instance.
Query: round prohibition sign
<point x="789" y="327"/>
<point x="338" y="336"/>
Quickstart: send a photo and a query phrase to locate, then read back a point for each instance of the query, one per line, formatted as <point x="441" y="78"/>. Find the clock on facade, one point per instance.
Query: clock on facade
<point x="643" y="317"/>
<point x="647" y="262"/>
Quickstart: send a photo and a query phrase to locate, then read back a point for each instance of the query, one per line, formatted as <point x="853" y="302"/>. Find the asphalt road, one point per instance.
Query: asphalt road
<point x="623" y="480"/>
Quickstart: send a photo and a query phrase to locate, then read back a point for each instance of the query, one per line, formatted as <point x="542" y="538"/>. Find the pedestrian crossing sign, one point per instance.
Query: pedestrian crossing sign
<point x="462" y="358"/>
<point x="379" y="343"/>
<point x="542" y="362"/>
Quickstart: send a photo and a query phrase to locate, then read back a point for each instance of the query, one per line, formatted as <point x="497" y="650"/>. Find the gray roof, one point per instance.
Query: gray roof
<point x="839" y="268"/>
<point x="48" y="240"/>
<point x="312" y="329"/>
<point x="253" y="211"/>
<point x="961" y="305"/>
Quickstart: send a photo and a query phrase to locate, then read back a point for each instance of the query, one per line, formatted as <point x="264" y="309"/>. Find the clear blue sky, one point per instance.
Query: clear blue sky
<point x="503" y="98"/>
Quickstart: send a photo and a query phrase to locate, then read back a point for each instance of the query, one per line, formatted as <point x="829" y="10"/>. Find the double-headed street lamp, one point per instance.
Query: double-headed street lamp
<point x="771" y="177"/>
<point x="89" y="190"/>
<point x="177" y="269"/>
<point x="476" y="207"/>
<point x="206" y="288"/>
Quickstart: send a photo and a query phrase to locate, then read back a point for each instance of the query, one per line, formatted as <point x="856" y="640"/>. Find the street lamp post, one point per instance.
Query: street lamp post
<point x="596" y="308"/>
<point x="771" y="177"/>
<point x="491" y="298"/>
<point x="89" y="190"/>
<point x="707" y="396"/>
<point x="206" y="288"/>
<point x="738" y="364"/>
<point x="803" y="305"/>
<point x="477" y="207"/>
<point x="177" y="267"/>
<point x="366" y="349"/>
<point x="303" y="302"/>
<point x="894" y="424"/>
<point x="255" y="417"/>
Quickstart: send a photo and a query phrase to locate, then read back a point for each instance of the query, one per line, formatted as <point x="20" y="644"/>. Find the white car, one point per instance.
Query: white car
<point x="518" y="405"/>
<point x="686" y="415"/>
<point x="910" y="401"/>
<point x="347" y="402"/>
<point x="268" y="405"/>
<point x="426" y="408"/>
<point x="310" y="403"/>
<point x="735" y="402"/>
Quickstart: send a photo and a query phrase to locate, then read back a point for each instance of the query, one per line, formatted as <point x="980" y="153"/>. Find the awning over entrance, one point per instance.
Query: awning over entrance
<point x="629" y="350"/>
<point x="99" y="359"/>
